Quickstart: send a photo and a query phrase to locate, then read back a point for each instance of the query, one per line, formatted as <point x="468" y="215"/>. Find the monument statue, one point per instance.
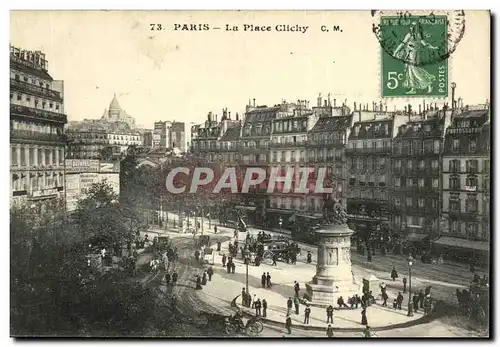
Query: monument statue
<point x="333" y="277"/>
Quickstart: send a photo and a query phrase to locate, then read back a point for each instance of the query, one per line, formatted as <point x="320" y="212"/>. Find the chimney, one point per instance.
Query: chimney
<point x="253" y="102"/>
<point x="381" y="107"/>
<point x="385" y="108"/>
<point x="424" y="104"/>
<point x="229" y="115"/>
<point x="237" y="116"/>
<point x="334" y="102"/>
<point x="406" y="107"/>
<point x="354" y="105"/>
<point x="216" y="118"/>
<point x="326" y="103"/>
<point x="345" y="102"/>
<point x="319" y="100"/>
<point x="366" y="107"/>
<point x="374" y="106"/>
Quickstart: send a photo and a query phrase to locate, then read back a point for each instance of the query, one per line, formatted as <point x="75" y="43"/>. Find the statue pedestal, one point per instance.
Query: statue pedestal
<point x="334" y="277"/>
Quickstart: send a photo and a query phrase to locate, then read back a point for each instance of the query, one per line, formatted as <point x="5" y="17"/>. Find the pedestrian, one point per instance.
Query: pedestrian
<point x="421" y="297"/>
<point x="329" y="331"/>
<point x="243" y="296"/>
<point x="369" y="257"/>
<point x="264" y="308"/>
<point x="224" y="259"/>
<point x="341" y="303"/>
<point x="309" y="257"/>
<point x="174" y="278"/>
<point x="258" y="305"/>
<point x="167" y="278"/>
<point x="364" y="320"/>
<point x="228" y="266"/>
<point x="254" y="301"/>
<point x="395" y="303"/>
<point x="204" y="278"/>
<point x="288" y="324"/>
<point x="268" y="280"/>
<point x="404" y="284"/>
<point x="263" y="280"/>
<point x="357" y="300"/>
<point x="275" y="258"/>
<point x="415" y="302"/>
<point x="233" y="267"/>
<point x="385" y="297"/>
<point x="296" y="288"/>
<point x="210" y="273"/>
<point x="289" y="305"/>
<point x="400" y="300"/>
<point x="394" y="273"/>
<point x="383" y="288"/>
<point x="307" y="313"/>
<point x="174" y="303"/>
<point x="215" y="231"/>
<point x="219" y="245"/>
<point x="329" y="314"/>
<point x="197" y="255"/>
<point x="296" y="304"/>
<point x="198" y="282"/>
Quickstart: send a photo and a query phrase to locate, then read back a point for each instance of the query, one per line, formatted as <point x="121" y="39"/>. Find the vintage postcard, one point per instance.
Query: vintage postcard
<point x="251" y="174"/>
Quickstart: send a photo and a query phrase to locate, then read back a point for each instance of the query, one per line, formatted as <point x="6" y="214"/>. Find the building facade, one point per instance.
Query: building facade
<point x="466" y="183"/>
<point x="37" y="137"/>
<point x="416" y="177"/>
<point x="368" y="155"/>
<point x="100" y="144"/>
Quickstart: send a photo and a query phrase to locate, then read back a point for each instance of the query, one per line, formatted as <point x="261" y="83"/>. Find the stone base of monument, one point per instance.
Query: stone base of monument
<point x="325" y="293"/>
<point x="334" y="277"/>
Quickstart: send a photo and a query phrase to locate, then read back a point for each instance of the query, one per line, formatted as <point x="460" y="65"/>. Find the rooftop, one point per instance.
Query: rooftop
<point x="326" y="124"/>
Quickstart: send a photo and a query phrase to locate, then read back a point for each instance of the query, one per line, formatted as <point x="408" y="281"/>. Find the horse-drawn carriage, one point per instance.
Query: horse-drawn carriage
<point x="475" y="301"/>
<point x="283" y="249"/>
<point x="228" y="324"/>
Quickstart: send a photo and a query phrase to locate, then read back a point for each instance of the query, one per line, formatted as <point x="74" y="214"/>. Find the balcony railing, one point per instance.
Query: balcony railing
<point x="36" y="136"/>
<point x="287" y="144"/>
<point x="24" y="86"/>
<point x="470" y="188"/>
<point x="368" y="150"/>
<point x="43" y="193"/>
<point x="33" y="112"/>
<point x="325" y="143"/>
<point x="322" y="160"/>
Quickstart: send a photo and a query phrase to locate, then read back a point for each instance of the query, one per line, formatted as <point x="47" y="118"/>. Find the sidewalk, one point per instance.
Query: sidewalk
<point x="224" y="287"/>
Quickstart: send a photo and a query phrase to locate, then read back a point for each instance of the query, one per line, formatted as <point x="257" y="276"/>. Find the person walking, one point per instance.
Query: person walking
<point x="385" y="297"/>
<point x="264" y="308"/>
<point x="257" y="305"/>
<point x="210" y="273"/>
<point x="289" y="305"/>
<point x="364" y="320"/>
<point x="174" y="278"/>
<point x="254" y="300"/>
<point x="263" y="280"/>
<point x="329" y="331"/>
<point x="288" y="324"/>
<point x="296" y="304"/>
<point x="421" y="298"/>
<point x="275" y="258"/>
<point x="218" y="246"/>
<point x="329" y="314"/>
<point x="296" y="288"/>
<point x="243" y="297"/>
<point x="268" y="280"/>
<point x="309" y="257"/>
<point x="167" y="278"/>
<point x="198" y="282"/>
<point x="215" y="231"/>
<point x="307" y="313"/>
<point x="233" y="267"/>
<point x="399" y="300"/>
<point x="394" y="273"/>
<point x="197" y="255"/>
<point x="415" y="303"/>
<point x="204" y="278"/>
<point x="404" y="284"/>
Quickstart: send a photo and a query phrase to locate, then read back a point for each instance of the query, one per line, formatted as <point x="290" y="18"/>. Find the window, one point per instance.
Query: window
<point x="382" y="181"/>
<point x="397" y="201"/>
<point x="454" y="205"/>
<point x="455" y="145"/>
<point x="471" y="204"/>
<point x="409" y="164"/>
<point x="13" y="156"/>
<point x="455" y="165"/>
<point x="397" y="182"/>
<point x="421" y="164"/>
<point x="435" y="183"/>
<point x="397" y="221"/>
<point x="421" y="183"/>
<point x="472" y="144"/>
<point x="470" y="183"/>
<point x="421" y="202"/>
<point x="437" y="146"/>
<point x="19" y="97"/>
<point x="16" y="77"/>
<point x="23" y="156"/>
<point x="421" y="221"/>
<point x="486" y="166"/>
<point x="397" y="164"/>
<point x="471" y="166"/>
<point x="454" y="226"/>
<point x="435" y="164"/>
<point x="409" y="201"/>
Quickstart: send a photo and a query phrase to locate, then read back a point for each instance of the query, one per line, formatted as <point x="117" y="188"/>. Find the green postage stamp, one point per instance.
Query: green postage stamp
<point x="414" y="55"/>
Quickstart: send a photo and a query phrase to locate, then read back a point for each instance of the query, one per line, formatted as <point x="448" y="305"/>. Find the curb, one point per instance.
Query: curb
<point x="418" y="321"/>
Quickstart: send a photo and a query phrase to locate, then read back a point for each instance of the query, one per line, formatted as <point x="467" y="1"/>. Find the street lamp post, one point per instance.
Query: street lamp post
<point x="280" y="223"/>
<point x="410" y="308"/>
<point x="247" y="260"/>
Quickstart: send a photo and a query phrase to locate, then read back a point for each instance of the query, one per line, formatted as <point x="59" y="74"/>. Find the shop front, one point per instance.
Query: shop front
<point x="463" y="250"/>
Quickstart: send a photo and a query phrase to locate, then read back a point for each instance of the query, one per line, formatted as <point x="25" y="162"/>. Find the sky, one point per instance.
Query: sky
<point x="182" y="75"/>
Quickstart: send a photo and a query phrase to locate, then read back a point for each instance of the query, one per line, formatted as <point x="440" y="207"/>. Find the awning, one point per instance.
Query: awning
<point x="463" y="243"/>
<point x="416" y="237"/>
<point x="280" y="211"/>
<point x="248" y="208"/>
